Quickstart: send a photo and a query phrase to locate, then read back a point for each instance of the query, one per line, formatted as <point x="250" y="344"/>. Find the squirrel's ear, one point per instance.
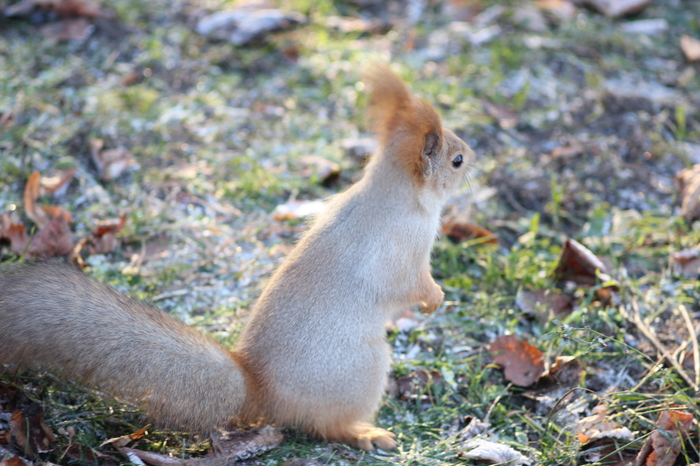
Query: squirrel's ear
<point x="431" y="149"/>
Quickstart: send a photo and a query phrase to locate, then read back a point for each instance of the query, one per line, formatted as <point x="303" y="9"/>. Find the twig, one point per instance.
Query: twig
<point x="694" y="339"/>
<point x="639" y="322"/>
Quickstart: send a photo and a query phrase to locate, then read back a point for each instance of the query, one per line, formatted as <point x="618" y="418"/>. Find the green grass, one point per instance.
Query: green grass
<point x="219" y="133"/>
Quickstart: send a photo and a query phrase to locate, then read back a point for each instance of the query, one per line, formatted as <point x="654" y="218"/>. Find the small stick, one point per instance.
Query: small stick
<point x="694" y="339"/>
<point x="636" y="318"/>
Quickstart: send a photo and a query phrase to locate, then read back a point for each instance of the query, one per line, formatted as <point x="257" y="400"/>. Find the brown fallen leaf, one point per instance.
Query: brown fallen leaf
<point x="301" y="462"/>
<point x="227" y="446"/>
<point x="690" y="47"/>
<point x="686" y="262"/>
<point x="566" y="371"/>
<point x="570" y="150"/>
<point x="688" y="181"/>
<point x="560" y="10"/>
<point x="598" y="426"/>
<point x="110" y="163"/>
<point x="414" y="384"/>
<point x="13" y="460"/>
<point x="52" y="184"/>
<point x="240" y="26"/>
<point x="462" y="10"/>
<point x="237" y="445"/>
<point x="156" y="459"/>
<point x="41" y="215"/>
<point x="66" y="8"/>
<point x="664" y="444"/>
<point x="492" y="452"/>
<point x="298" y="209"/>
<point x="328" y="172"/>
<point x="103" y="237"/>
<point x="578" y="264"/>
<point x="544" y="304"/>
<point x="460" y="231"/>
<point x="522" y="363"/>
<point x="357" y="25"/>
<point x="616" y="8"/>
<point x="81" y="453"/>
<point x="55" y="239"/>
<point x="101" y="240"/>
<point x="124" y="440"/>
<point x="14" y="233"/>
<point x="506" y="117"/>
<point x="67" y="29"/>
<point x="30" y="433"/>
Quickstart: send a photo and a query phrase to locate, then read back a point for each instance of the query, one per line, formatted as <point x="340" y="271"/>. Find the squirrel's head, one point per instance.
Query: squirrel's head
<point x="410" y="132"/>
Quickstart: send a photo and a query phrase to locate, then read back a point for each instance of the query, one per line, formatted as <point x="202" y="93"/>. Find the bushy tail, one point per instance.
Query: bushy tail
<point x="52" y="316"/>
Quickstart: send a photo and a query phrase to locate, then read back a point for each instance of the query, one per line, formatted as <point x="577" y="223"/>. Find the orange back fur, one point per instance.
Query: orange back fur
<point x="400" y="120"/>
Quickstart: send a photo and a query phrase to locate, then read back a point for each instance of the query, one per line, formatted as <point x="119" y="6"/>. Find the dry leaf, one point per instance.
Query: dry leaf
<point x="565" y="372"/>
<point x="506" y="117"/>
<point x="597" y="426"/>
<point x="124" y="440"/>
<point x="358" y="149"/>
<point x="14" y="233"/>
<point x="298" y="209"/>
<point x="150" y="457"/>
<point x="86" y="8"/>
<point x="243" y="25"/>
<point x="544" y="304"/>
<point x="414" y="384"/>
<point x="690" y="47"/>
<point x="479" y="449"/>
<point x="462" y="10"/>
<point x="41" y="215"/>
<point x="689" y="191"/>
<point x="522" y="363"/>
<point x="13" y="460"/>
<point x="237" y="445"/>
<point x="103" y="237"/>
<point x="686" y="263"/>
<point x="52" y="184"/>
<point x="578" y="264"/>
<point x="327" y="171"/>
<point x="470" y="427"/>
<point x="615" y="8"/>
<point x="30" y="433"/>
<point x="561" y="10"/>
<point x="31" y="194"/>
<point x="569" y="150"/>
<point x="110" y="163"/>
<point x="81" y="453"/>
<point x="67" y="29"/>
<point x="664" y="444"/>
<point x="55" y="239"/>
<point x="301" y="462"/>
<point x="228" y="447"/>
<point x="347" y="25"/>
<point x="460" y="231"/>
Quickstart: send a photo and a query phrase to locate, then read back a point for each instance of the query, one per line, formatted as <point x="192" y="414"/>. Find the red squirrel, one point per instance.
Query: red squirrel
<point x="313" y="355"/>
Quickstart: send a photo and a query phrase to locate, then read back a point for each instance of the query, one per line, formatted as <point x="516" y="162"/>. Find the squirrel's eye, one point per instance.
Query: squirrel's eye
<point x="457" y="161"/>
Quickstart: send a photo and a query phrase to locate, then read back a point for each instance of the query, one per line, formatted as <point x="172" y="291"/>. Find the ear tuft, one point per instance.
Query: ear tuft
<point x="405" y="125"/>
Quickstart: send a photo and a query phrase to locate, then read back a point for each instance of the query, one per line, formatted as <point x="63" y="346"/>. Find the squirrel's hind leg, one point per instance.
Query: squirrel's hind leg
<point x="365" y="436"/>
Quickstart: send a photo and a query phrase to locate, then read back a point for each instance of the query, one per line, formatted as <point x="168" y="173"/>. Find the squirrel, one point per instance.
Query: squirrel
<point x="313" y="355"/>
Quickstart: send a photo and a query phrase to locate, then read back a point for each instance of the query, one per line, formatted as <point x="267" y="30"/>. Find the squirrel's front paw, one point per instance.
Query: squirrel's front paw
<point x="434" y="301"/>
<point x="366" y="436"/>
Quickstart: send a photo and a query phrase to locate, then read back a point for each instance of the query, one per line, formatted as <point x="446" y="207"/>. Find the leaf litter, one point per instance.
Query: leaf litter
<point x="528" y="141"/>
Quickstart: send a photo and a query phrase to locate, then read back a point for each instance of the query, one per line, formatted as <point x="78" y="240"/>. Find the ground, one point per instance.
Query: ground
<point x="579" y="129"/>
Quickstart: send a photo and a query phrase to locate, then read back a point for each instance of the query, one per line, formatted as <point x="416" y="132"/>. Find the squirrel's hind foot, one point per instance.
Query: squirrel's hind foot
<point x="366" y="436"/>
